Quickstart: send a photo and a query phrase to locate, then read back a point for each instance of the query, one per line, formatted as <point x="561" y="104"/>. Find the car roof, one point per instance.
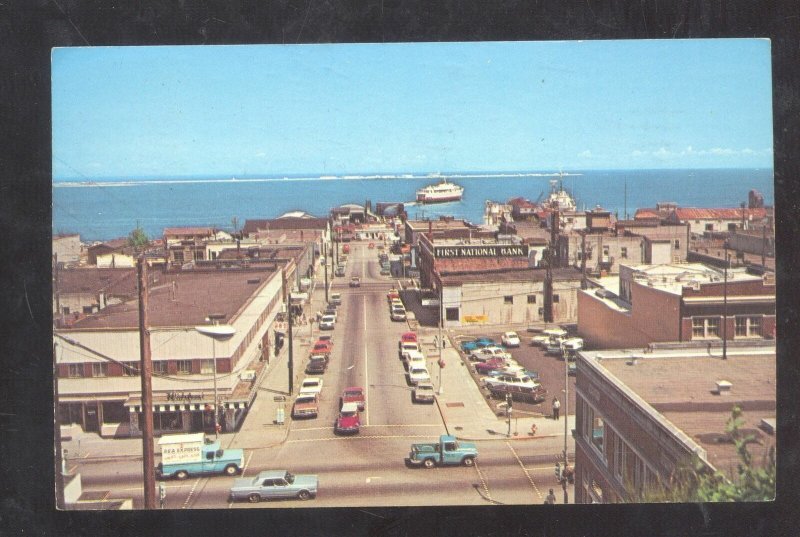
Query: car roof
<point x="271" y="474"/>
<point x="314" y="379"/>
<point x="350" y="407"/>
<point x="425" y="385"/>
<point x="354" y="389"/>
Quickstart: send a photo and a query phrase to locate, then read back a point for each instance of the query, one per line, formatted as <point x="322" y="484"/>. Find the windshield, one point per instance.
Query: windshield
<point x="346" y="414"/>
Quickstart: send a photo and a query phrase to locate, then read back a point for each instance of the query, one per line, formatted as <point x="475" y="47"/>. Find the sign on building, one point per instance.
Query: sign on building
<point x="483" y="250"/>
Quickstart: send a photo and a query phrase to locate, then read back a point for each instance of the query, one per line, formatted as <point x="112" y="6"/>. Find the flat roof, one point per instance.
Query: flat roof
<point x="674" y="277"/>
<point x="680" y="385"/>
<point x="184" y="298"/>
<point x="511" y="275"/>
<point x="422" y="225"/>
<point x="93" y="280"/>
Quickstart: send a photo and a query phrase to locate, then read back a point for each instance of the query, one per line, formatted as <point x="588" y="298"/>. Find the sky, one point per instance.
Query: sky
<point x="272" y="110"/>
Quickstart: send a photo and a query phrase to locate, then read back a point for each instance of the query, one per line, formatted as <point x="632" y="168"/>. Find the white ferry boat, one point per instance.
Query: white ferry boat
<point x="440" y="192"/>
<point x="559" y="199"/>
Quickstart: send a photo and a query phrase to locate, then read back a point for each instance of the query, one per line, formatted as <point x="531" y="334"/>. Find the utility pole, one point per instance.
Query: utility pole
<point x="325" y="268"/>
<point x="584" y="283"/>
<point x="287" y="297"/>
<point x="148" y="461"/>
<point x="59" y="461"/>
<point x="551" y="259"/>
<point x="440" y="341"/>
<point x="764" y="245"/>
<point x="725" y="306"/>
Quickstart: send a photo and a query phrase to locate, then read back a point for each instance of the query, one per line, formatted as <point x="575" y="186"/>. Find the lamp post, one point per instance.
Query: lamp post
<point x="217" y="332"/>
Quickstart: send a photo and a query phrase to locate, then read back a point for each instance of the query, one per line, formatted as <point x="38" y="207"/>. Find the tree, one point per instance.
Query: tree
<point x="694" y="482"/>
<point x="137" y="238"/>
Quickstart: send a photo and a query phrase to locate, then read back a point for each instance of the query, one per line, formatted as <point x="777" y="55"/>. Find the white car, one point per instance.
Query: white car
<point x="417" y="374"/>
<point x="311" y="385"/>
<point x="327" y="322"/>
<point x="398" y="314"/>
<point x="486" y="353"/>
<point x="424" y="393"/>
<point x="510" y="339"/>
<point x="414" y="359"/>
<point x="547" y="335"/>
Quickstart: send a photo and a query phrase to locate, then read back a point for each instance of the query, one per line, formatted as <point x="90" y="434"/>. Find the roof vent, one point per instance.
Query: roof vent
<point x="723" y="387"/>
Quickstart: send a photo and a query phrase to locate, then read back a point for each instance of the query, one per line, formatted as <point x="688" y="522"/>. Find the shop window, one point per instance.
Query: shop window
<point x="748" y="326"/>
<point x="167" y="421"/>
<point x="451" y="314"/>
<point x="184" y="367"/>
<point x="75" y="370"/>
<point x="130" y="369"/>
<point x="705" y="327"/>
<point x="556" y="298"/>
<point x="207" y="367"/>
<point x="508" y="299"/>
<point x="160" y="367"/>
<point x="100" y="370"/>
<point x="531" y="299"/>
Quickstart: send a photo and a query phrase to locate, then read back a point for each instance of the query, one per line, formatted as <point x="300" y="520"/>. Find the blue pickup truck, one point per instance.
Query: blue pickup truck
<point x="449" y="451"/>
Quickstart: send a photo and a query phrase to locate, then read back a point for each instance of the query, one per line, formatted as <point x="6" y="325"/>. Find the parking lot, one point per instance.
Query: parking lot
<point x="550" y="368"/>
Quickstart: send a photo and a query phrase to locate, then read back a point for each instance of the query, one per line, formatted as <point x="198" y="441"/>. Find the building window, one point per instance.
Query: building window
<point x="531" y="299"/>
<point x="65" y="310"/>
<point x="199" y="255"/>
<point x="748" y="326"/>
<point x="593" y="428"/>
<point x="184" y="367"/>
<point x="178" y="256"/>
<point x="451" y="314"/>
<point x="100" y="370"/>
<point x="130" y="369"/>
<point x="624" y="252"/>
<point x="508" y="299"/>
<point x="207" y="367"/>
<point x="677" y="244"/>
<point x="160" y="367"/>
<point x="705" y="327"/>
<point x="75" y="370"/>
<point x="555" y="299"/>
<point x="598" y="433"/>
<point x="709" y="227"/>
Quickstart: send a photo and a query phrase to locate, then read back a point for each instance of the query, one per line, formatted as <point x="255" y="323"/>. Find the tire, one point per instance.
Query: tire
<point x="429" y="463"/>
<point x="254" y="497"/>
<point x="468" y="461"/>
<point x="303" y="495"/>
<point x="181" y="474"/>
<point x="231" y="469"/>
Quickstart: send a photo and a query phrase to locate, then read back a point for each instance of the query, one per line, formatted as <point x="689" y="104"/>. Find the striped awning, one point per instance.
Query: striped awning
<point x="135" y="405"/>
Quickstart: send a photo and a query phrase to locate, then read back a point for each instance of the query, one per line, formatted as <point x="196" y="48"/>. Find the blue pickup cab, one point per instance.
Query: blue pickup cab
<point x="449" y="451"/>
<point x="183" y="455"/>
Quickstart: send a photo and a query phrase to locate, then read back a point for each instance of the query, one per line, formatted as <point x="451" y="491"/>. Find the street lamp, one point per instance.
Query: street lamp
<point x="217" y="332"/>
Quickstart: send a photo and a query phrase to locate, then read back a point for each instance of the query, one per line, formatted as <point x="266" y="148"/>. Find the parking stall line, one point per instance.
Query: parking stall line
<point x="483" y="483"/>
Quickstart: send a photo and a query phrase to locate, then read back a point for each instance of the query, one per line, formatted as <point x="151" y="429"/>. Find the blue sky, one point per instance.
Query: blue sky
<point x="261" y="110"/>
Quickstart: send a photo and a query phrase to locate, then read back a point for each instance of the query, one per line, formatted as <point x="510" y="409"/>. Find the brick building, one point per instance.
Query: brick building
<point x="641" y="417"/>
<point x="676" y="302"/>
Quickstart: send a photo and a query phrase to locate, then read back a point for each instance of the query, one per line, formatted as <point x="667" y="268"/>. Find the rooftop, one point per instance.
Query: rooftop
<point x="111" y="281"/>
<point x="184" y="298"/>
<point x="674" y="277"/>
<point x="284" y="222"/>
<point x="423" y="225"/>
<point x="725" y="213"/>
<point x="187" y="231"/>
<point x="680" y="385"/>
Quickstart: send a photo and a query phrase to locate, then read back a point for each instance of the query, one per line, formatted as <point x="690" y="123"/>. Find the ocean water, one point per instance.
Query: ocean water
<point x="104" y="210"/>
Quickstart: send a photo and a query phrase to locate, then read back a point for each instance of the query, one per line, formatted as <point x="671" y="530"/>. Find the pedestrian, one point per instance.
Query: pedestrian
<point x="551" y="498"/>
<point x="556" y="408"/>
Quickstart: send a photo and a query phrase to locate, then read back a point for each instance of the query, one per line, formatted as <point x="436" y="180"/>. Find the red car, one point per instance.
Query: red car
<point x="355" y="395"/>
<point x="409" y="337"/>
<point x="349" y="421"/>
<point x="490" y="365"/>
<point x="322" y="347"/>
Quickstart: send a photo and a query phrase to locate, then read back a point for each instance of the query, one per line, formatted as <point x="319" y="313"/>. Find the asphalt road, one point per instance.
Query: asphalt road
<point x="367" y="469"/>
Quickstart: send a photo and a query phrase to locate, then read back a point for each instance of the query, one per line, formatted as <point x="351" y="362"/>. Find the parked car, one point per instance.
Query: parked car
<point x="413" y="359"/>
<point x="339" y="271"/>
<point x="349" y="421"/>
<point x="330" y="310"/>
<point x="570" y="347"/>
<point x="398" y="314"/>
<point x="392" y="294"/>
<point x="572" y="369"/>
<point x="517" y="384"/>
<point x="355" y="281"/>
<point x="328" y="322"/>
<point x="405" y="346"/>
<point x="423" y="393"/>
<point x="385" y="271"/>
<point x="312" y="385"/>
<point x="322" y="347"/>
<point x="485" y="342"/>
<point x="274" y="484"/>
<point x="486" y="353"/>
<point x="469" y="345"/>
<point x="355" y="395"/>
<point x="510" y="339"/>
<point x="491" y="364"/>
<point x="317" y="364"/>
<point x="336" y="299"/>
<point x="417" y="374"/>
<point x="547" y="335"/>
<point x="306" y="405"/>
<point x="410" y="337"/>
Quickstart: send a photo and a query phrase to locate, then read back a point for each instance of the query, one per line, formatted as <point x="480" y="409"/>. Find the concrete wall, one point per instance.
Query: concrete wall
<point x="753" y="243"/>
<point x="487" y="300"/>
<point x="67" y="249"/>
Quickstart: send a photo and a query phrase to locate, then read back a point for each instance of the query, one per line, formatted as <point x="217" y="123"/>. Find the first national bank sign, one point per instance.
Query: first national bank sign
<point x="497" y="250"/>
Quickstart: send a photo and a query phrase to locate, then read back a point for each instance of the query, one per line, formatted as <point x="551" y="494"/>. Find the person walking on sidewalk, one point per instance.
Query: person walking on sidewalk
<point x="551" y="498"/>
<point x="556" y="408"/>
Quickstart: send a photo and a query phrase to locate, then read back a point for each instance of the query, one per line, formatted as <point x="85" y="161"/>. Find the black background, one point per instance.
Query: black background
<point x="29" y="29"/>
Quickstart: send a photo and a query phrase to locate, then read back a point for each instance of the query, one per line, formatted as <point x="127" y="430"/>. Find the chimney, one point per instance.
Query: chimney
<point x="723" y="387"/>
